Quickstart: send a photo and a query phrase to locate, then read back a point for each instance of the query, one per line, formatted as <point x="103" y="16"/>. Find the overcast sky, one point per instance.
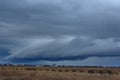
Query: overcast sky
<point x="73" y="32"/>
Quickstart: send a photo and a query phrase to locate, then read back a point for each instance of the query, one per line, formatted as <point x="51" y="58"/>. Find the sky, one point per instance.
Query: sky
<point x="65" y="32"/>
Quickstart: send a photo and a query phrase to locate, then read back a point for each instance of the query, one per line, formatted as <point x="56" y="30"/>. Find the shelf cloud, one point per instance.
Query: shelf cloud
<point x="59" y="30"/>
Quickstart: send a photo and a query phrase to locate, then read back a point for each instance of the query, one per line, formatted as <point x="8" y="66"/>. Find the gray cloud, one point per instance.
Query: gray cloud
<point x="59" y="29"/>
<point x="93" y="61"/>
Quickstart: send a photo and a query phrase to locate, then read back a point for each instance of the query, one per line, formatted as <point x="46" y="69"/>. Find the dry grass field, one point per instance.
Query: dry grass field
<point x="57" y="73"/>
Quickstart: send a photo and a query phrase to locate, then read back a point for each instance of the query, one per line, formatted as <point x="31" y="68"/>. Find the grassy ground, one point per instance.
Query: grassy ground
<point x="51" y="75"/>
<point x="57" y="73"/>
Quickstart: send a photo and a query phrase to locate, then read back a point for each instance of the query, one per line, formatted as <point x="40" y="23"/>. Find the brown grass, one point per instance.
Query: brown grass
<point x="54" y="74"/>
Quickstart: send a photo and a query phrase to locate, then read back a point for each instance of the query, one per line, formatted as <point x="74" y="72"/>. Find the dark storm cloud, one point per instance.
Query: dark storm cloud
<point x="59" y="29"/>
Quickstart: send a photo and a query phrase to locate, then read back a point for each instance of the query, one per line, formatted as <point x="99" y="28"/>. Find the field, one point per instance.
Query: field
<point x="58" y="73"/>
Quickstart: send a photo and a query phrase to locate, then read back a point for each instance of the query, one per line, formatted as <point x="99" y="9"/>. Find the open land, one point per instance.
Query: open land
<point x="58" y="73"/>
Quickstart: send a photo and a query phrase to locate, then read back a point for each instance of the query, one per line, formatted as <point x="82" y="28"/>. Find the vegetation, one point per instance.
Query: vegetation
<point x="58" y="73"/>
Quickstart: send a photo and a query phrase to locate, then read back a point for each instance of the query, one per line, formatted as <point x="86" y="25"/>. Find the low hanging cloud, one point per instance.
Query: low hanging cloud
<point x="59" y="30"/>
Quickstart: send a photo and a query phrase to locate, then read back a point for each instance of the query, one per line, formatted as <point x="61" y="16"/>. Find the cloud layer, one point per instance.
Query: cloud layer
<point x="57" y="30"/>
